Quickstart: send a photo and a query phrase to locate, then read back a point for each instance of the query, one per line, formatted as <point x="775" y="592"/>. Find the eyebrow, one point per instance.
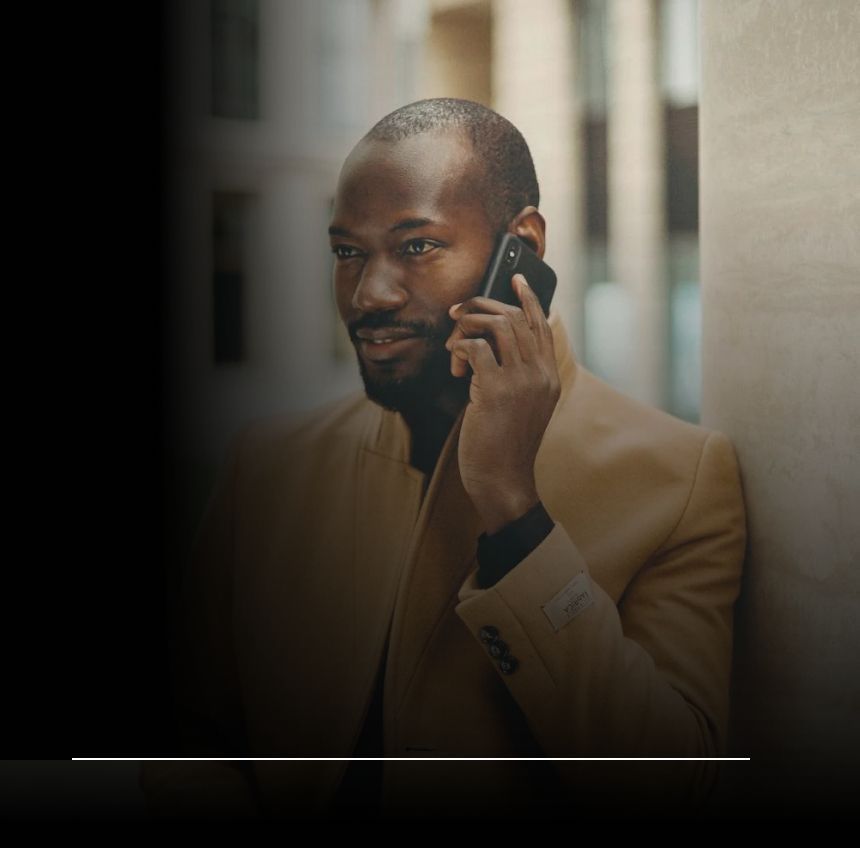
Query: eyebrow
<point x="405" y="224"/>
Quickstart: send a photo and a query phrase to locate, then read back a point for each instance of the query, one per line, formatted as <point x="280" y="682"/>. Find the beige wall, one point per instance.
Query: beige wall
<point x="780" y="235"/>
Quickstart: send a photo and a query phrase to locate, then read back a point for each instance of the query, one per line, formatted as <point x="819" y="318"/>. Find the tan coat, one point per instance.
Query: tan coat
<point x="319" y="537"/>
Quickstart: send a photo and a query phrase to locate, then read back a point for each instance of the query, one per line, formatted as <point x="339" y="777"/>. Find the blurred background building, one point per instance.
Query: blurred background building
<point x="267" y="97"/>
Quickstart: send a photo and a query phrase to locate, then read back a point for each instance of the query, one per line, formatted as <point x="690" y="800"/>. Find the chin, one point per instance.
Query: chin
<point x="422" y="390"/>
<point x="397" y="395"/>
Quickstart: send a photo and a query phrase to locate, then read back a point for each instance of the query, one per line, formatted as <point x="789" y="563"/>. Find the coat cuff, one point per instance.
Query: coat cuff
<point x="499" y="553"/>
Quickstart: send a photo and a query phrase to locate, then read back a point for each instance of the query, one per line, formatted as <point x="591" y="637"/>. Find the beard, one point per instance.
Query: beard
<point x="423" y="390"/>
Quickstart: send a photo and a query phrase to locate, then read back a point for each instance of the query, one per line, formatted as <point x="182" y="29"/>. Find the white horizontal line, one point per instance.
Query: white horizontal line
<point x="303" y="759"/>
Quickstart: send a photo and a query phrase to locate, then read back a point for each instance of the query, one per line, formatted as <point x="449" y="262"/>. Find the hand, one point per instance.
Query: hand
<point x="514" y="390"/>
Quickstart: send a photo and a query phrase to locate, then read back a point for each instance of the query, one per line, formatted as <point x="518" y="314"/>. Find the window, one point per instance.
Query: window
<point x="235" y="41"/>
<point x="606" y="314"/>
<point x="230" y="214"/>
<point x="344" y="62"/>
<point x="679" y="84"/>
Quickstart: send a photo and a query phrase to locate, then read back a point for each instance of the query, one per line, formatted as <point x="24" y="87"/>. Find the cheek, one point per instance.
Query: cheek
<point x="465" y="282"/>
<point x="458" y="274"/>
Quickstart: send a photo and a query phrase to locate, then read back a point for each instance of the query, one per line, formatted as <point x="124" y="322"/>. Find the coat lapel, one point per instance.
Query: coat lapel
<point x="388" y="499"/>
<point x="442" y="552"/>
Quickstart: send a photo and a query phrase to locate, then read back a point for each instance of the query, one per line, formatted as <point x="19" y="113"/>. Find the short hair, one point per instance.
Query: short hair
<point x="507" y="182"/>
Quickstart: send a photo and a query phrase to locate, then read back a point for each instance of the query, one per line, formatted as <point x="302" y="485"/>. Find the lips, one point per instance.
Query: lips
<point x="384" y="335"/>
<point x="380" y="345"/>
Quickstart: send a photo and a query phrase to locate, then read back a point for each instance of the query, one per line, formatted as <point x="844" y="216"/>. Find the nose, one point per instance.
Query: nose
<point x="378" y="289"/>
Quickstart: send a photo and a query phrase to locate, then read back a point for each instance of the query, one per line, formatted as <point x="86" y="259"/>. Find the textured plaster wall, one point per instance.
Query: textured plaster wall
<point x="780" y="238"/>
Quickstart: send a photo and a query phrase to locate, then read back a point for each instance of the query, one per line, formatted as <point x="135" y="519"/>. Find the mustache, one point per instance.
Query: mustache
<point x="429" y="331"/>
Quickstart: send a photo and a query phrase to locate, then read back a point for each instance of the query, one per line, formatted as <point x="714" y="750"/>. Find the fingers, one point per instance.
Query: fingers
<point x="508" y="328"/>
<point x="477" y="353"/>
<point x="534" y="313"/>
<point x="527" y="298"/>
<point x="506" y="343"/>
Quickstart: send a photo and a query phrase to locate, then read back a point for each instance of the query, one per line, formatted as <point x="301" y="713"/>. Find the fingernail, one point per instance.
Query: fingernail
<point x="452" y="308"/>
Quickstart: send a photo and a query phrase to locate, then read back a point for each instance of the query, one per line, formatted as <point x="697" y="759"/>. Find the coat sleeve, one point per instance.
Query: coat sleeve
<point x="646" y="678"/>
<point x="205" y="681"/>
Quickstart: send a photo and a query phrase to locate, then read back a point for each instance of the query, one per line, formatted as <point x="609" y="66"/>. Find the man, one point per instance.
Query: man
<point x="486" y="553"/>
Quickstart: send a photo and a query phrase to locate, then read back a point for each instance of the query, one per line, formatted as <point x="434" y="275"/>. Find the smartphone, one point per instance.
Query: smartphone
<point x="513" y="256"/>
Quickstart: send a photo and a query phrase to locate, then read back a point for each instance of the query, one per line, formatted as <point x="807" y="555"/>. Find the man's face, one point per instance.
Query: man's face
<point x="410" y="240"/>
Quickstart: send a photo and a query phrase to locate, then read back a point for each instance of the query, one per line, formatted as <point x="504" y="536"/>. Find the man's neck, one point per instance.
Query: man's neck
<point x="430" y="429"/>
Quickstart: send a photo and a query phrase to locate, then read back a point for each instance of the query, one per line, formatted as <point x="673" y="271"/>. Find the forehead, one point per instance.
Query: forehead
<point x="430" y="173"/>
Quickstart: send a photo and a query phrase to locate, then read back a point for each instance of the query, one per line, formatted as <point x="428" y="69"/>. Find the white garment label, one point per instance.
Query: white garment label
<point x="569" y="602"/>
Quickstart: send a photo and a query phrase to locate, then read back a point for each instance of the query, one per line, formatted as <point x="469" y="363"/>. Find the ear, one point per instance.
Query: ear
<point x="530" y="226"/>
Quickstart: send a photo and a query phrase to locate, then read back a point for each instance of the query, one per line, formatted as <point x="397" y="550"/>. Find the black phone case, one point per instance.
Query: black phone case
<point x="513" y="256"/>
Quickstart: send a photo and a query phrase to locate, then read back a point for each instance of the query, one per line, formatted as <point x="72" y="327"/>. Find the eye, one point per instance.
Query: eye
<point x="421" y="246"/>
<point x="344" y="251"/>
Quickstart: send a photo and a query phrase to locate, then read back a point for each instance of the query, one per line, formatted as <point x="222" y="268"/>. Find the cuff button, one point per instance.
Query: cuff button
<point x="488" y="634"/>
<point x="498" y="649"/>
<point x="508" y="664"/>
